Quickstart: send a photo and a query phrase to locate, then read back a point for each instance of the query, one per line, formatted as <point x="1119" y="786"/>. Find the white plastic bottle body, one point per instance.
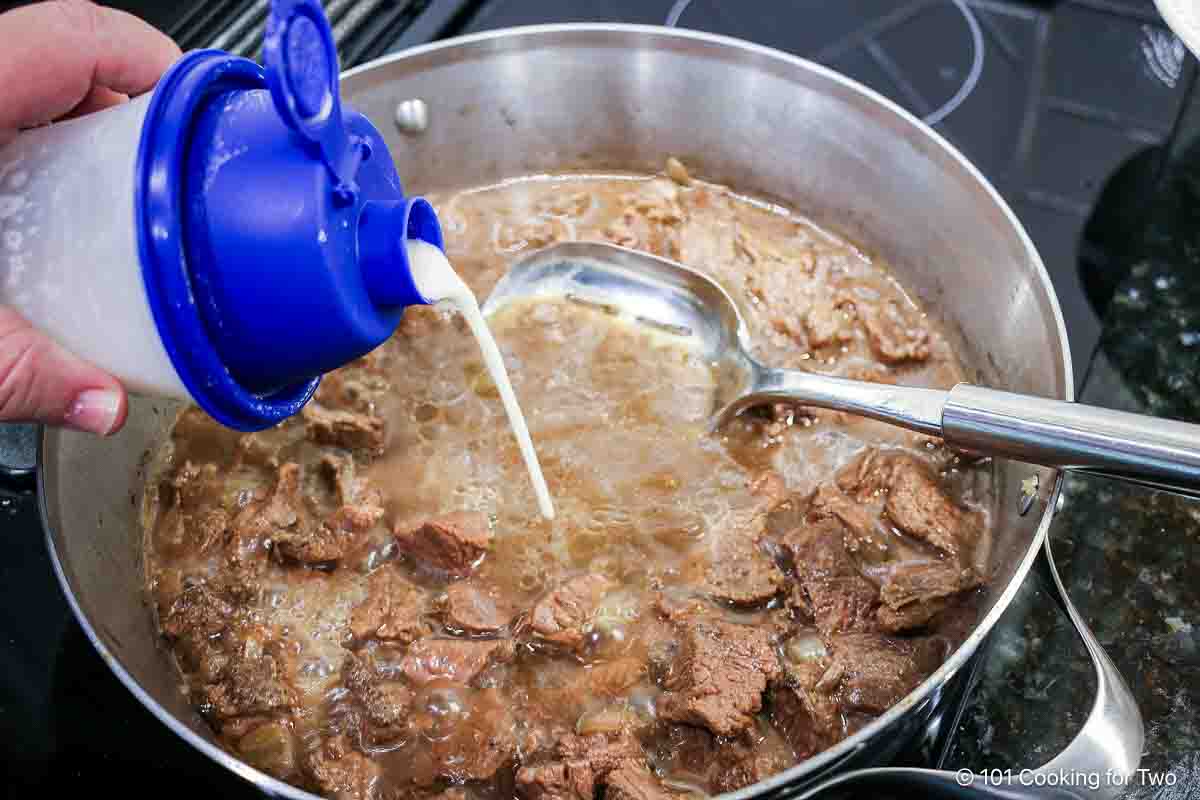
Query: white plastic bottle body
<point x="68" y="244"/>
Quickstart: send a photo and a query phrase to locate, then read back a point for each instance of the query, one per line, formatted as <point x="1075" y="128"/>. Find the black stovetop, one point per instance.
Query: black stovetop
<point x="1073" y="98"/>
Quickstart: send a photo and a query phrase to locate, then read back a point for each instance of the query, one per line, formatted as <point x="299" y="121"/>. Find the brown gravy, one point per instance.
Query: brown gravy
<point x="365" y="601"/>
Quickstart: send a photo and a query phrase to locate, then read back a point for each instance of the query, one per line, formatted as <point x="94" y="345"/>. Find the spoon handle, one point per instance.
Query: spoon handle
<point x="1161" y="453"/>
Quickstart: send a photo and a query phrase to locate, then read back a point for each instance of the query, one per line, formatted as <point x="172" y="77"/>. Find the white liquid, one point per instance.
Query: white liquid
<point x="437" y="281"/>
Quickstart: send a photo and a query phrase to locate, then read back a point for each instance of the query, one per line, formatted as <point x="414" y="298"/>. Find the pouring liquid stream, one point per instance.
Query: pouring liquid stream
<point x="438" y="282"/>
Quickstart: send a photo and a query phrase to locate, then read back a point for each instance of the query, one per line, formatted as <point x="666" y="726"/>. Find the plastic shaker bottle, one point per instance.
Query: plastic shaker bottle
<point x="226" y="239"/>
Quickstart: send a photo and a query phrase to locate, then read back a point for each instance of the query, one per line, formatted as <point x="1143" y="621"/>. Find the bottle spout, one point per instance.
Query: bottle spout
<point x="382" y="232"/>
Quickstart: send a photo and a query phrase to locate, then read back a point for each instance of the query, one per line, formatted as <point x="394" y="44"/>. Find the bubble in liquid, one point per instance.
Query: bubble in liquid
<point x="13" y="240"/>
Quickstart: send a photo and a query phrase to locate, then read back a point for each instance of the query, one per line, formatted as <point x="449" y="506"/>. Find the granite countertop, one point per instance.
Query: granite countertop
<point x="1127" y="555"/>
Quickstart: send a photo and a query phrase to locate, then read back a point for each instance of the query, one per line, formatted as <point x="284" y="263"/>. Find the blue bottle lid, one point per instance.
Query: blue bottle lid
<point x="271" y="223"/>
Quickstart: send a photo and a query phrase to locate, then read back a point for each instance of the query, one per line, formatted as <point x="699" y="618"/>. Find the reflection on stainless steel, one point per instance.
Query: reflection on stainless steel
<point x="1034" y="430"/>
<point x="863" y="162"/>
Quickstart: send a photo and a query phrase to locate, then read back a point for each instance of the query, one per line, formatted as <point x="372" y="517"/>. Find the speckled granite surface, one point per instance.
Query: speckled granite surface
<point x="1129" y="557"/>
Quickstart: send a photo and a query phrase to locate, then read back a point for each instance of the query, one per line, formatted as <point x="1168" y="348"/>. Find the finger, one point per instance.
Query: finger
<point x="71" y="46"/>
<point x="98" y="99"/>
<point x="42" y="382"/>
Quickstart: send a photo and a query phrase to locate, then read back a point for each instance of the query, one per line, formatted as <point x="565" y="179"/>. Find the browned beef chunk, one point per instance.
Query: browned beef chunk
<point x="392" y="610"/>
<point x="896" y="334"/>
<point x="910" y="617"/>
<point x="471" y="733"/>
<point x="198" y="612"/>
<point x="183" y="532"/>
<point x="829" y="586"/>
<point x="360" y="505"/>
<point x="341" y="772"/>
<point x="864" y="534"/>
<point x="722" y="764"/>
<point x="475" y="609"/>
<point x="254" y="449"/>
<point x="561" y="617"/>
<point x="454" y="543"/>
<point x="742" y="574"/>
<point x="921" y="509"/>
<point x="249" y="682"/>
<point x="871" y="673"/>
<point x="386" y="703"/>
<point x="720" y="676"/>
<point x="458" y="660"/>
<point x="826" y="323"/>
<point x="269" y="746"/>
<point x="634" y="781"/>
<point x="286" y="520"/>
<point x="808" y="718"/>
<point x="579" y="765"/>
<point x="838" y="603"/>
<point x="917" y="582"/>
<point x="349" y="429"/>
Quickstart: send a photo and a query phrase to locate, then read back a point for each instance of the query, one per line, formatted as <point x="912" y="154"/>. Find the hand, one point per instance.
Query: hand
<point x="64" y="59"/>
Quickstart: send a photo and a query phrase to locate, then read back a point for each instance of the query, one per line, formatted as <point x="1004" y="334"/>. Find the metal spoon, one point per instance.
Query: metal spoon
<point x="653" y="291"/>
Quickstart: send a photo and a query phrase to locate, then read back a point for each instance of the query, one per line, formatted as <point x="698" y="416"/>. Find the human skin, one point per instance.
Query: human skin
<point x="59" y="60"/>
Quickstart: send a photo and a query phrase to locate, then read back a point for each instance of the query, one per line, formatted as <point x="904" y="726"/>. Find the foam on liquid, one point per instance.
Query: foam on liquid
<point x="438" y="281"/>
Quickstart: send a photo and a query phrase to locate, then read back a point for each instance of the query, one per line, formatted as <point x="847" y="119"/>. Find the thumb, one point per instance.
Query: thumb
<point x="42" y="382"/>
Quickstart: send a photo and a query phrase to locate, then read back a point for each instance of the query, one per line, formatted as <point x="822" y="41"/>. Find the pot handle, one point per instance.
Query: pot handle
<point x="18" y="456"/>
<point x="1098" y="764"/>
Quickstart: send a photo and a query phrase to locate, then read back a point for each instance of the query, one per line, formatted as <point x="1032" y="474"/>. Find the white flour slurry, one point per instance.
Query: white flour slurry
<point x="438" y="281"/>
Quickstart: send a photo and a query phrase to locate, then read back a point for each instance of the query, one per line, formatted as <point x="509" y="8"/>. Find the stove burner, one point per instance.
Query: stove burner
<point x="949" y="106"/>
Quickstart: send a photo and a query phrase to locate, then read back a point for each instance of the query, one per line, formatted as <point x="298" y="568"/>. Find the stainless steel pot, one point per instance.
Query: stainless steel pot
<point x="601" y="97"/>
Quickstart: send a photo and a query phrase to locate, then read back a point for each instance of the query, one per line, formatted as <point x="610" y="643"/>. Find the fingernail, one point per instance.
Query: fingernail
<point x="94" y="411"/>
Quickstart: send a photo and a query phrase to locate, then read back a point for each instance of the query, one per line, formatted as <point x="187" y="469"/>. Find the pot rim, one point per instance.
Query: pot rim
<point x="827" y="760"/>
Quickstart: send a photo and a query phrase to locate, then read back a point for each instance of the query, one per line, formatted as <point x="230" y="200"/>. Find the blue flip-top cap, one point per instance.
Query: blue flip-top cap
<point x="271" y="223"/>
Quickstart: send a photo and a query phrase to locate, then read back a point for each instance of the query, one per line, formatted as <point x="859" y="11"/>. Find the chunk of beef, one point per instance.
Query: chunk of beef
<point x="580" y="764"/>
<point x="910" y="617"/>
<point x="454" y="543"/>
<point x="288" y="523"/>
<point x="921" y="509"/>
<point x="391" y="611"/>
<point x="473" y="746"/>
<point x="872" y="672"/>
<point x="865" y="535"/>
<point x="808" y="718"/>
<point x="352" y="430"/>
<point x="349" y="487"/>
<point x="837" y="604"/>
<point x="198" y="612"/>
<point x="562" y="616"/>
<point x="720" y="677"/>
<point x="183" y="532"/>
<point x="633" y="781"/>
<point x="475" y="609"/>
<point x="250" y="682"/>
<point x="742" y="574"/>
<point x="826" y="324"/>
<point x="341" y="772"/>
<point x="722" y="764"/>
<point x="896" y="334"/>
<point x="458" y="660"/>
<point x="269" y="746"/>
<point x="385" y="703"/>
<point x="921" y="582"/>
<point x="829" y="587"/>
